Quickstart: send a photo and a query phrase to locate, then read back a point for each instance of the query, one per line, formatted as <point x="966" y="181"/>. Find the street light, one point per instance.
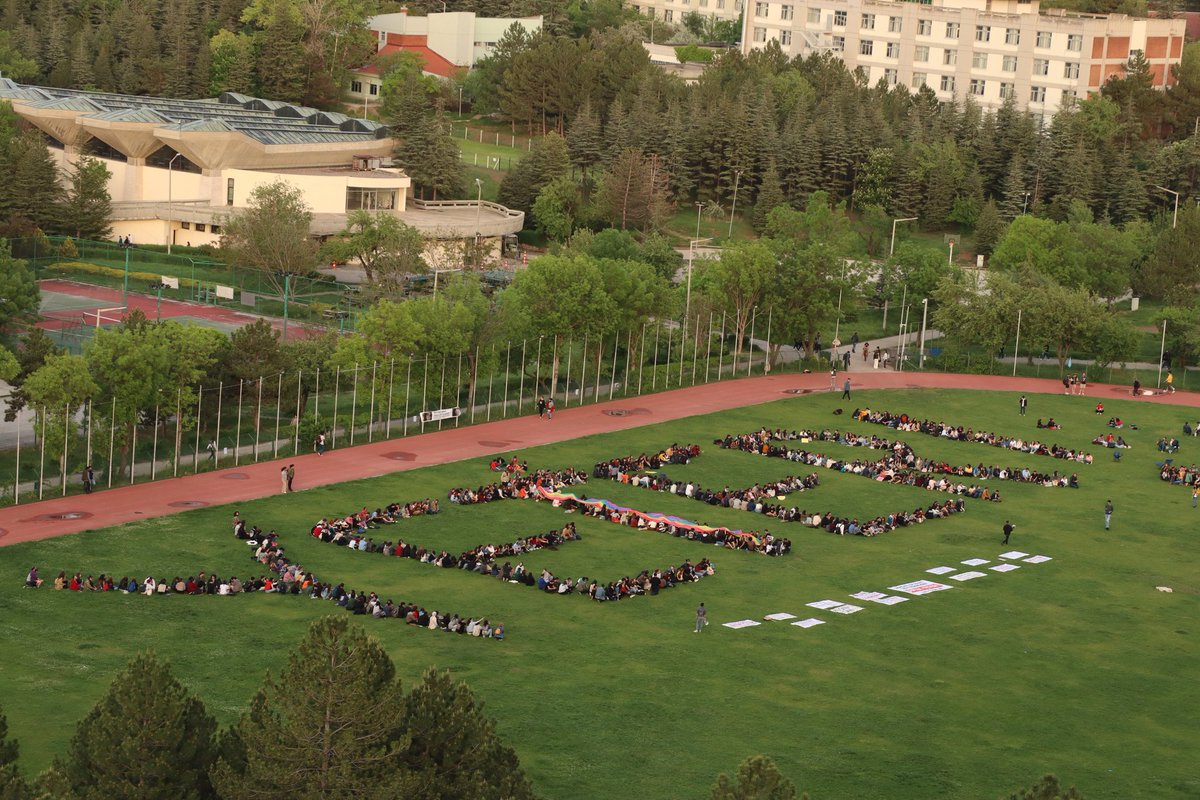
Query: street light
<point x="736" y="180"/>
<point x="1025" y="205"/>
<point x="1175" y="218"/>
<point x="687" y="303"/>
<point x="171" y="204"/>
<point x="699" y="207"/>
<point x="924" y="319"/>
<point x="892" y="249"/>
<point x="478" y="202"/>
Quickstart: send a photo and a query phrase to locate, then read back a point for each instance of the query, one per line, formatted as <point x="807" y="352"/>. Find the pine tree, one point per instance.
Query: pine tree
<point x="454" y="747"/>
<point x="549" y="159"/>
<point x="30" y="193"/>
<point x="280" y="65"/>
<point x="331" y="725"/>
<point x="148" y="737"/>
<point x="12" y="783"/>
<point x="585" y="139"/>
<point x="82" y="76"/>
<point x="989" y="228"/>
<point x="1015" y="200"/>
<point x="88" y="203"/>
<point x="770" y="195"/>
<point x="445" y="170"/>
<point x="757" y="778"/>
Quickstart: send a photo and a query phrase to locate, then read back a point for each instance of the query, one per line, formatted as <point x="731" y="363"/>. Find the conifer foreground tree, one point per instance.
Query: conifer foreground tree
<point x="757" y="778"/>
<point x="148" y="738"/>
<point x="12" y="784"/>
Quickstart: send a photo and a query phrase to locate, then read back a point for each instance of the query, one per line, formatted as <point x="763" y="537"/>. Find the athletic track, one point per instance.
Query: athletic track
<point x="35" y="521"/>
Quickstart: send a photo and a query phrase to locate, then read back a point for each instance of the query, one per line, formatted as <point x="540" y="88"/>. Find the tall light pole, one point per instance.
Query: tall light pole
<point x="1025" y="205"/>
<point x="1175" y="217"/>
<point x="699" y="208"/>
<point x="892" y="248"/>
<point x="687" y="303"/>
<point x="837" y="325"/>
<point x="478" y="201"/>
<point x="924" y="319"/>
<point x="736" y="180"/>
<point x="171" y="204"/>
<point x="460" y="101"/>
<point x="1162" y="354"/>
<point x="950" y="261"/>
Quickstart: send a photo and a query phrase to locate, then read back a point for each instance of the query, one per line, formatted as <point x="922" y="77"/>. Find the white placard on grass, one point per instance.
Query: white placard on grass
<point x="872" y="596"/>
<point x="891" y="601"/>
<point x="1013" y="554"/>
<point x="742" y="623"/>
<point x="974" y="562"/>
<point x="1037" y="559"/>
<point x="968" y="576"/>
<point x="824" y="604"/>
<point x="919" y="588"/>
<point x="811" y="622"/>
<point x="1005" y="567"/>
<point x="846" y="609"/>
<point x="940" y="570"/>
<point x="780" y="616"/>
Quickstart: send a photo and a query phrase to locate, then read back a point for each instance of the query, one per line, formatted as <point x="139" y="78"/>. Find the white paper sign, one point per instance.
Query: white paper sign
<point x="968" y="576"/>
<point x="1037" y="559"/>
<point x="823" y="604"/>
<point x="782" y="615"/>
<point x="1005" y="567"/>
<point x="1013" y="554"/>
<point x="846" y="609"/>
<point x="872" y="596"/>
<point x="742" y="623"/>
<point x="811" y="622"/>
<point x="940" y="570"/>
<point x="891" y="601"/>
<point x="919" y="588"/>
<point x="975" y="562"/>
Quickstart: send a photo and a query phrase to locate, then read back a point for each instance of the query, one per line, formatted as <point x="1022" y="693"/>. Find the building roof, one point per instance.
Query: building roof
<point x="431" y="62"/>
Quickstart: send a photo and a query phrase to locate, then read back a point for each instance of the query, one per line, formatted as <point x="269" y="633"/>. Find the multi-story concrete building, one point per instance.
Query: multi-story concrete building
<point x="989" y="50"/>
<point x="673" y="11"/>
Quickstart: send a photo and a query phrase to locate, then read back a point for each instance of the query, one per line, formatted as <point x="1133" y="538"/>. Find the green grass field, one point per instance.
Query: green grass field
<point x="1077" y="667"/>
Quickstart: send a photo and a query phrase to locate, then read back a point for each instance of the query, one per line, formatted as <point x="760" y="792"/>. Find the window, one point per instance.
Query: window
<point x="356" y="87"/>
<point x="669" y="15"/>
<point x="918" y="80"/>
<point x="785" y="38"/>
<point x="1071" y="70"/>
<point x="1069" y="96"/>
<point x="895" y="24"/>
<point x="949" y="57"/>
<point x="229" y="192"/>
<point x="839" y="43"/>
<point x="185" y="226"/>
<point x="951" y="30"/>
<point x="760" y="34"/>
<point x="1012" y="36"/>
<point x="979" y="60"/>
<point x="1075" y="42"/>
<point x="199" y="227"/>
<point x="924" y="27"/>
<point x="947" y="83"/>
<point x="1010" y="64"/>
<point x="786" y="12"/>
<point x="893" y="49"/>
<point x="1006" y="91"/>
<point x="839" y="19"/>
<point x="760" y="9"/>
<point x="890" y="76"/>
<point x="1045" y="38"/>
<point x="1037" y="94"/>
<point x="983" y="33"/>
<point x="814" y="15"/>
<point x="214" y="228"/>
<point x="1041" y="66"/>
<point x="374" y="87"/>
<point x="866" y="47"/>
<point x="868" y="22"/>
<point x="370" y="199"/>
<point x="977" y="87"/>
<point x="921" y="53"/>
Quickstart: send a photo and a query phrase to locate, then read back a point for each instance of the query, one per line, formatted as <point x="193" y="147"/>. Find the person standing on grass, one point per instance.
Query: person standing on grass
<point x="846" y="390"/>
<point x="1195" y="496"/>
<point x="283" y="480"/>
<point x="291" y="476"/>
<point x="1008" y="531"/>
<point x="1108" y="512"/>
<point x="1024" y="404"/>
<point x="701" y="618"/>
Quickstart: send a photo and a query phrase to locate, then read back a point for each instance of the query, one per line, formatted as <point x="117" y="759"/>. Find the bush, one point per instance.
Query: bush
<point x="84" y="268"/>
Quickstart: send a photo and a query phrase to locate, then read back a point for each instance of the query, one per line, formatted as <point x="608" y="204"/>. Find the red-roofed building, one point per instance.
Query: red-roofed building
<point x="446" y="43"/>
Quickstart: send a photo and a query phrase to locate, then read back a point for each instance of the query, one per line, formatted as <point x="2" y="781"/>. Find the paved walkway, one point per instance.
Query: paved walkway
<point x="34" y="521"/>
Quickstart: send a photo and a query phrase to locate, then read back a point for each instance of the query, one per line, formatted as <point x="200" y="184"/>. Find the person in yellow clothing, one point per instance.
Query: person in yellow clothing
<point x="1170" y="382"/>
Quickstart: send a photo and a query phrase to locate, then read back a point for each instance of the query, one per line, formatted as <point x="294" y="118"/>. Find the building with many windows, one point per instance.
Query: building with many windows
<point x="990" y="50"/>
<point x="179" y="167"/>
<point x="673" y="11"/>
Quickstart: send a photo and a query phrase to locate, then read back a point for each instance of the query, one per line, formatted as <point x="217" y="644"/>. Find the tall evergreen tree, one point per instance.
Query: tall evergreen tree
<point x="12" y="783"/>
<point x="770" y="195"/>
<point x="88" y="204"/>
<point x="585" y="139"/>
<point x="757" y="778"/>
<point x="331" y="725"/>
<point x="30" y="192"/>
<point x="148" y="737"/>
<point x="989" y="228"/>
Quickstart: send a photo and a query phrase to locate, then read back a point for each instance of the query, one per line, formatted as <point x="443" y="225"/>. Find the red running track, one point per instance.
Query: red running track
<point x="34" y="521"/>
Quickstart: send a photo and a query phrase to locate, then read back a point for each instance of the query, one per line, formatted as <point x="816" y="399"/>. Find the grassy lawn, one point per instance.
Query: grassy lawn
<point x="1076" y="667"/>
<point x="681" y="227"/>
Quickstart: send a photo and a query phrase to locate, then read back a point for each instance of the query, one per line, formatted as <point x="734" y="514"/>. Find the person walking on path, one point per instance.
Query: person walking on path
<point x="541" y="406"/>
<point x="320" y="444"/>
<point x="88" y="478"/>
<point x="846" y="390"/>
<point x="846" y="361"/>
<point x="1108" y="509"/>
<point x="1008" y="530"/>
<point x="833" y="379"/>
<point x="1170" y="382"/>
<point x="550" y="408"/>
<point x="291" y="476"/>
<point x="1137" y="387"/>
<point x="283" y="481"/>
<point x="1024" y="404"/>
<point x="212" y="450"/>
<point x="701" y="618"/>
<point x="1083" y="384"/>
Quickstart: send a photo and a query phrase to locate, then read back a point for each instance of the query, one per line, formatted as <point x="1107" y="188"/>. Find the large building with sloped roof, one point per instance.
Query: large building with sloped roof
<point x="180" y="166"/>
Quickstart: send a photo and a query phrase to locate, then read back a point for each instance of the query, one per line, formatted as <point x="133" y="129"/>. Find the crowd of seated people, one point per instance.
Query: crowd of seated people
<point x="279" y="575"/>
<point x="646" y="582"/>
<point x="1166" y="445"/>
<point x="520" y="484"/>
<point x="900" y="466"/>
<point x="632" y="464"/>
<point x="903" y="422"/>
<point x="1182" y="476"/>
<point x="1109" y="440"/>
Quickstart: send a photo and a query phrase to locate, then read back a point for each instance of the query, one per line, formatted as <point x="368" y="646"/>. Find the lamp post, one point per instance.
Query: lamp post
<point x="171" y="204"/>
<point x="924" y="319"/>
<point x="838" y="323"/>
<point x="892" y="248"/>
<point x="699" y="208"/>
<point x="460" y="101"/>
<point x="687" y="303"/>
<point x="1175" y="217"/>
<point x="1025" y="205"/>
<point x="736" y="180"/>
<point x="950" y="261"/>
<point x="478" y="201"/>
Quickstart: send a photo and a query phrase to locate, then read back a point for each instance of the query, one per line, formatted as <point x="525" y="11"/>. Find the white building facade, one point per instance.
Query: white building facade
<point x="673" y="11"/>
<point x="990" y="50"/>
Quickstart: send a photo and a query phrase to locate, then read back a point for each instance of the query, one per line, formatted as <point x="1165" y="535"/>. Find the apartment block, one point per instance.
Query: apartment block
<point x="990" y="50"/>
<point x="673" y="11"/>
